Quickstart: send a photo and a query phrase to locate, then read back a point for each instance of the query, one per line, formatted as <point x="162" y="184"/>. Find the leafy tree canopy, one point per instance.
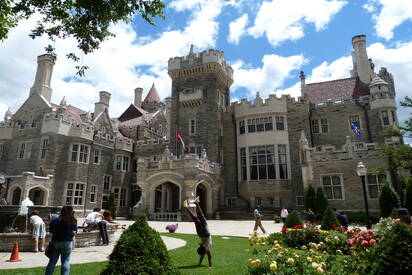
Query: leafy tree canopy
<point x="87" y="21"/>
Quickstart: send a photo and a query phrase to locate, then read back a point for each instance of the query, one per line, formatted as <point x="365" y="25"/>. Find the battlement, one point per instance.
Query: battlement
<point x="54" y="122"/>
<point x="150" y="142"/>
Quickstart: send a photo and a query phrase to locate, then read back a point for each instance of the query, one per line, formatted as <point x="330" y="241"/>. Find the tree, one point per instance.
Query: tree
<point x="86" y="21"/>
<point x="321" y="201"/>
<point x="387" y="200"/>
<point x="408" y="196"/>
<point x="310" y="198"/>
<point x="329" y="220"/>
<point x="140" y="250"/>
<point x="111" y="205"/>
<point x="293" y="219"/>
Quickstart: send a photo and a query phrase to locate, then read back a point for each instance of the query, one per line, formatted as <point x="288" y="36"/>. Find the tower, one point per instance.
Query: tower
<point x="45" y="64"/>
<point x="200" y="95"/>
<point x="362" y="66"/>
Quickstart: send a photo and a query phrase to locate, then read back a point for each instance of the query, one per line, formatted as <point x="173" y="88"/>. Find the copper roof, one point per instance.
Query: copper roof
<point x="340" y="89"/>
<point x="152" y="95"/>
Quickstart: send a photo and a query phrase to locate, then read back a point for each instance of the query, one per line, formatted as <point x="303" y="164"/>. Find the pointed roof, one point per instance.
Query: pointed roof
<point x="131" y="112"/>
<point x="152" y="95"/>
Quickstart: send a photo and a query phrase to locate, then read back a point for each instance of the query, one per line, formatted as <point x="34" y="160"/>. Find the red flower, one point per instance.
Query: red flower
<point x="372" y="242"/>
<point x="365" y="243"/>
<point x="284" y="229"/>
<point x="333" y="225"/>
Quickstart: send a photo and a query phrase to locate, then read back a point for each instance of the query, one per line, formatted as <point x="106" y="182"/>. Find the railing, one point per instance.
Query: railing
<point x="166" y="216"/>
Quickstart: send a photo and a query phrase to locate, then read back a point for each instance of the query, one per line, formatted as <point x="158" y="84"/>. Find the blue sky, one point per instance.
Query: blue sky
<point x="266" y="42"/>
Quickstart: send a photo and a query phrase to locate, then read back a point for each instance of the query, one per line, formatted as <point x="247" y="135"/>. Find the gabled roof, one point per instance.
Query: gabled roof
<point x="72" y="112"/>
<point x="340" y="89"/>
<point x="131" y="112"/>
<point x="152" y="95"/>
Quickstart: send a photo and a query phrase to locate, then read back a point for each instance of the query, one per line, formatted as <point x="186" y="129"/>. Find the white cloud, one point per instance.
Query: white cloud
<point x="237" y="29"/>
<point x="388" y="14"/>
<point x="115" y="67"/>
<point x="274" y="71"/>
<point x="282" y="20"/>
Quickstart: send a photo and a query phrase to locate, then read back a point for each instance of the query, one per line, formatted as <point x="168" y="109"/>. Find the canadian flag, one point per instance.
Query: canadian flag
<point x="180" y="139"/>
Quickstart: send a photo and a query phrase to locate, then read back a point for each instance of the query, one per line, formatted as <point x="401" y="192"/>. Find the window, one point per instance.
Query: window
<point x="33" y="123"/>
<point x="43" y="147"/>
<point x="96" y="156"/>
<point x="231" y="202"/>
<point x="299" y="201"/>
<point x="280" y="123"/>
<point x="261" y="162"/>
<point x="258" y="201"/>
<point x="120" y="196"/>
<point x="374" y="184"/>
<point x="260" y="124"/>
<point x="251" y="127"/>
<point x="195" y="150"/>
<point x="385" y="118"/>
<point x="107" y="180"/>
<point x="22" y="148"/>
<point x="315" y="126"/>
<point x="24" y="151"/>
<point x="324" y="125"/>
<point x="79" y="153"/>
<point x="74" y="193"/>
<point x="332" y="185"/>
<point x="93" y="191"/>
<point x="393" y="116"/>
<point x="1" y="150"/>
<point x="192" y="127"/>
<point x="105" y="201"/>
<point x="243" y="166"/>
<point x="283" y="164"/>
<point x="241" y="127"/>
<point x="355" y="120"/>
<point x="268" y="124"/>
<point x="122" y="163"/>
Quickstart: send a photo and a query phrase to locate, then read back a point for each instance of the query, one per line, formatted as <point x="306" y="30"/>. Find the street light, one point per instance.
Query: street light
<point x="362" y="171"/>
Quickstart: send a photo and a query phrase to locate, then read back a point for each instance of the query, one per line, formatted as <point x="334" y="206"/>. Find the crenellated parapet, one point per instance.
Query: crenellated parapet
<point x="54" y="122"/>
<point x="151" y="142"/>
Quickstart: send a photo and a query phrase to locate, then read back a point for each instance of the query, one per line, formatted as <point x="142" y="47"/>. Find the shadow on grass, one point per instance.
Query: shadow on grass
<point x="188" y="266"/>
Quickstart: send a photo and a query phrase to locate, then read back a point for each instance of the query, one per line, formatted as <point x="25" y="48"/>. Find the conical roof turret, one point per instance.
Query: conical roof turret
<point x="152" y="95"/>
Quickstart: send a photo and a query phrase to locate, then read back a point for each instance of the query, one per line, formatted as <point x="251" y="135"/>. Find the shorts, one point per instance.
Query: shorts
<point x="39" y="231"/>
<point x="206" y="242"/>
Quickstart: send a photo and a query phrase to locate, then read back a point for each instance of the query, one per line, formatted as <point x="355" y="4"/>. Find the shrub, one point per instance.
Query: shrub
<point x="293" y="219"/>
<point x="408" y="196"/>
<point x="111" y="205"/>
<point x="310" y="198"/>
<point x="140" y="250"/>
<point x="393" y="254"/>
<point x="329" y="220"/>
<point x="356" y="217"/>
<point x="387" y="200"/>
<point x="394" y="213"/>
<point x="384" y="225"/>
<point x="276" y="219"/>
<point x="321" y="201"/>
<point x="275" y="237"/>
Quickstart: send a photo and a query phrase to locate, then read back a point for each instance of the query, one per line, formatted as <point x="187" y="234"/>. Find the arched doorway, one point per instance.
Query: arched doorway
<point x="135" y="194"/>
<point x="16" y="196"/>
<point x="202" y="193"/>
<point x="37" y="196"/>
<point x="167" y="197"/>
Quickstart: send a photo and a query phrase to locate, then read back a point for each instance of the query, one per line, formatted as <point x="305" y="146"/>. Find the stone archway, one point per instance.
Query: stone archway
<point x="202" y="193"/>
<point x="204" y="190"/>
<point x="38" y="195"/>
<point x="166" y="197"/>
<point x="16" y="196"/>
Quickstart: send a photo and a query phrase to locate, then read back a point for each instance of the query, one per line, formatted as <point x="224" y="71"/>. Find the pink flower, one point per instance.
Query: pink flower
<point x="351" y="241"/>
<point x="372" y="242"/>
<point x="365" y="243"/>
<point x="397" y="220"/>
<point x="370" y="232"/>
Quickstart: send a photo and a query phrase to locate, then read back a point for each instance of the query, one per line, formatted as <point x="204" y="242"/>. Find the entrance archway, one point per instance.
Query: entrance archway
<point x="167" y="197"/>
<point x="135" y="194"/>
<point x="38" y="196"/>
<point x="16" y="196"/>
<point x="202" y="193"/>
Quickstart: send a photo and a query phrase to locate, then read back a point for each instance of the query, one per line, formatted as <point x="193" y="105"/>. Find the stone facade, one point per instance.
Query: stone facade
<point x="235" y="155"/>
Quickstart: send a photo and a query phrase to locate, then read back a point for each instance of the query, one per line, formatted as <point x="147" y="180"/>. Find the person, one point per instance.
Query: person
<point x="38" y="230"/>
<point x="63" y="229"/>
<point x="284" y="214"/>
<point x="311" y="215"/>
<point x="342" y="218"/>
<point x="258" y="219"/>
<point x="95" y="218"/>
<point x="202" y="231"/>
<point x="404" y="216"/>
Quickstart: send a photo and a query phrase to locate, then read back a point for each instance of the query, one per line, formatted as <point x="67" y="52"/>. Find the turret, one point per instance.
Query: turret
<point x="138" y="92"/>
<point x="362" y="66"/>
<point x="302" y="83"/>
<point x="103" y="103"/>
<point x="45" y="64"/>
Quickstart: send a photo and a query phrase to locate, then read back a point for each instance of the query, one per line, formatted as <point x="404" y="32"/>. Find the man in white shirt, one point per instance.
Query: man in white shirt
<point x="39" y="230"/>
<point x="284" y="214"/>
<point x="95" y="218"/>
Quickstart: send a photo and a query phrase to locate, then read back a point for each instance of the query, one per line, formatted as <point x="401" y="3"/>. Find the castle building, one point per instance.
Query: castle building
<point x="234" y="155"/>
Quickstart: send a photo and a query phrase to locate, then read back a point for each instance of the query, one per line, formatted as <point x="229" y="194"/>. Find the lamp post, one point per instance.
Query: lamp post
<point x="362" y="171"/>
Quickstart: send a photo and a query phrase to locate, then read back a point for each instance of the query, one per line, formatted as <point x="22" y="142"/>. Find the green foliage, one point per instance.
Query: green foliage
<point x="394" y="213"/>
<point x="87" y="21"/>
<point x="356" y="217"/>
<point x="387" y="200"/>
<point x="111" y="205"/>
<point x="329" y="220"/>
<point x="393" y="254"/>
<point x="293" y="219"/>
<point x="408" y="196"/>
<point x="276" y="219"/>
<point x="275" y="237"/>
<point x="321" y="201"/>
<point x="140" y="250"/>
<point x="310" y="198"/>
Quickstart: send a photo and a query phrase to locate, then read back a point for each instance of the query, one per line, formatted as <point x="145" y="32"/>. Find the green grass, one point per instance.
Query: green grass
<point x="229" y="257"/>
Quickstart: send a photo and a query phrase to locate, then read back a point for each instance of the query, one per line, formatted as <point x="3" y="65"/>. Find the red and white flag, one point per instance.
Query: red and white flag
<point x="180" y="139"/>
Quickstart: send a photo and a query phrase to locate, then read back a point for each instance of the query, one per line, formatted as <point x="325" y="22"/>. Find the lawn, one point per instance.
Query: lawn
<point x="229" y="257"/>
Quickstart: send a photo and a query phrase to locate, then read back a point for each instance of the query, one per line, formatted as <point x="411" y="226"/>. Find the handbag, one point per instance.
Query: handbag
<point x="49" y="249"/>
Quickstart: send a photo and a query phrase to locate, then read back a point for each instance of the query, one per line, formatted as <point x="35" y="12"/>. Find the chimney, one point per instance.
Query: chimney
<point x="138" y="92"/>
<point x="45" y="64"/>
<point x="363" y="67"/>
<point x="302" y="83"/>
<point x="103" y="103"/>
